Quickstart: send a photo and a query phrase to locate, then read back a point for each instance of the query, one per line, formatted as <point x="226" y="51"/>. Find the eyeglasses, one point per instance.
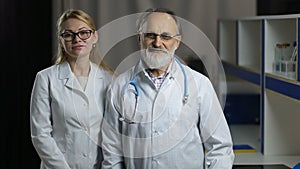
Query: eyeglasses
<point x="163" y="36"/>
<point x="70" y="36"/>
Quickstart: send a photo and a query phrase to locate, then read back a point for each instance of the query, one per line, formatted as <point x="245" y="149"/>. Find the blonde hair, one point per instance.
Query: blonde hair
<point x="86" y="18"/>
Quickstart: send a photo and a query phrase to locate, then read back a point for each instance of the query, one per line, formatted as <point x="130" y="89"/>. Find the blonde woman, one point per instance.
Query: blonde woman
<point x="67" y="101"/>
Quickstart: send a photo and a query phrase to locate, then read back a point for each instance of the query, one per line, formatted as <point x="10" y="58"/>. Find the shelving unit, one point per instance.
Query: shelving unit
<point x="247" y="50"/>
<point x="227" y="35"/>
<point x="279" y="31"/>
<point x="249" y="44"/>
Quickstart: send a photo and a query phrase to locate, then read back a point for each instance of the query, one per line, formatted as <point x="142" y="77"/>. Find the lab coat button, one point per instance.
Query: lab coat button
<point x="84" y="155"/>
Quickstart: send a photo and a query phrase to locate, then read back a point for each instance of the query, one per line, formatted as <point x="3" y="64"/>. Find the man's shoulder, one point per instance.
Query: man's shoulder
<point x="123" y="76"/>
<point x="197" y="74"/>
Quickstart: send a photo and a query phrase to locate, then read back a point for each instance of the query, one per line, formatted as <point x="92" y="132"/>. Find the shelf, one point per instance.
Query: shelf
<point x="250" y="135"/>
<point x="278" y="31"/>
<point x="227" y="43"/>
<point x="283" y="86"/>
<point x="249" y="44"/>
<point x="281" y="125"/>
<point x="242" y="73"/>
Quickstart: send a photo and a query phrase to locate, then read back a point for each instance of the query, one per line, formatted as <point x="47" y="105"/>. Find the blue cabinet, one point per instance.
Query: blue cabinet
<point x="242" y="109"/>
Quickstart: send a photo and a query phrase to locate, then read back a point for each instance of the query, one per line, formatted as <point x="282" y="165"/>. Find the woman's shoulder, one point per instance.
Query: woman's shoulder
<point x="48" y="70"/>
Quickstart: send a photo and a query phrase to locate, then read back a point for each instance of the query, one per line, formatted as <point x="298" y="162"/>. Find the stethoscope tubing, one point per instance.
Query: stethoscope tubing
<point x="133" y="82"/>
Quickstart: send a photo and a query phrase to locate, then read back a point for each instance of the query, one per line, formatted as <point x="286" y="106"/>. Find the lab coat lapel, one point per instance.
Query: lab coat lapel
<point x="93" y="88"/>
<point x="66" y="73"/>
<point x="93" y="80"/>
<point x="71" y="82"/>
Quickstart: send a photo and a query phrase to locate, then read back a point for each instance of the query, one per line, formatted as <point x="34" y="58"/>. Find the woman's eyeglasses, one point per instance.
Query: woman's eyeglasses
<point x="163" y="36"/>
<point x="70" y="36"/>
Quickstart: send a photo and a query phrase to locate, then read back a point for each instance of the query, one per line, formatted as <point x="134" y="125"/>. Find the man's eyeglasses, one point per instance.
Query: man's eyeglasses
<point x="163" y="36"/>
<point x="70" y="36"/>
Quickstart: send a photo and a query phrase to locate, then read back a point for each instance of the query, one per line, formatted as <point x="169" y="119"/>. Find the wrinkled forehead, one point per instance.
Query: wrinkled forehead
<point x="159" y="23"/>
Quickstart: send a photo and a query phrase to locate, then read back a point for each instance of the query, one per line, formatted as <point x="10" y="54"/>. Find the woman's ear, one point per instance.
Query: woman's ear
<point x="96" y="37"/>
<point x="60" y="43"/>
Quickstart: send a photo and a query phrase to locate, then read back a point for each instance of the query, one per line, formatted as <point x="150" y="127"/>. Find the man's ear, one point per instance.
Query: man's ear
<point x="178" y="41"/>
<point x="139" y="38"/>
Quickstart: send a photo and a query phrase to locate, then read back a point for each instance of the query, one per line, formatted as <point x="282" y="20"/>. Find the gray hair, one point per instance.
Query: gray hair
<point x="142" y="19"/>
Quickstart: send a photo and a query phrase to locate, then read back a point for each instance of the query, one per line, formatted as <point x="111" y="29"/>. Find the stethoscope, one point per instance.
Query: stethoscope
<point x="137" y="89"/>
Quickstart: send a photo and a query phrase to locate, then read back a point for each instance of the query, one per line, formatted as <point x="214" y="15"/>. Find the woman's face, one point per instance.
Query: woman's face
<point x="77" y="39"/>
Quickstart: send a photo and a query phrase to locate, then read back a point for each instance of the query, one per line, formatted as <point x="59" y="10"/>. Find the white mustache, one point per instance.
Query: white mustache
<point x="151" y="49"/>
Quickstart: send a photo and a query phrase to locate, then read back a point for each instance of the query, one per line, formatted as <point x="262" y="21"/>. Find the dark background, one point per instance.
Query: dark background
<point x="278" y="7"/>
<point x="25" y="49"/>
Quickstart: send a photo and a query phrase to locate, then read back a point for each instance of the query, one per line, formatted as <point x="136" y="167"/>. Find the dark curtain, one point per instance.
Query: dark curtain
<point x="278" y="7"/>
<point x="25" y="49"/>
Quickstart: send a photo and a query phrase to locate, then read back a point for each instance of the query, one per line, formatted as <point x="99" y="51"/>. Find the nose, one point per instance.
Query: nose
<point x="157" y="41"/>
<point x="76" y="38"/>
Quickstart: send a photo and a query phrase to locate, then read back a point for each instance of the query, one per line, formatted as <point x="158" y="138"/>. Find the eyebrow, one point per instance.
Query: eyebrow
<point x="163" y="33"/>
<point x="166" y="33"/>
<point x="69" y="30"/>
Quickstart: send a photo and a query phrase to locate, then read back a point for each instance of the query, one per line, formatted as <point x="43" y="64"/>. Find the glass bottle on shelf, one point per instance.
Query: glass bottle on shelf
<point x="285" y="59"/>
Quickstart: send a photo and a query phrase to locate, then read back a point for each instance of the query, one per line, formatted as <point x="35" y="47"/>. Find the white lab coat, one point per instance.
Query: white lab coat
<point x="167" y="134"/>
<point x="65" y="120"/>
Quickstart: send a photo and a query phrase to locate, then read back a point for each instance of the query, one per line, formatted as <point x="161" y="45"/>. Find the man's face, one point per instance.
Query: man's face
<point x="160" y="38"/>
<point x="160" y="24"/>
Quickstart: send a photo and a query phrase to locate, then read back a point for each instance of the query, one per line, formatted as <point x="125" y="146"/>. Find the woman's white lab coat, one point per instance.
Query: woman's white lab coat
<point x="166" y="133"/>
<point x="65" y="120"/>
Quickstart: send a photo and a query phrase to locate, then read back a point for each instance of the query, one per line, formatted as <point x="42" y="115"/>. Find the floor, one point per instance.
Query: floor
<point x="250" y="135"/>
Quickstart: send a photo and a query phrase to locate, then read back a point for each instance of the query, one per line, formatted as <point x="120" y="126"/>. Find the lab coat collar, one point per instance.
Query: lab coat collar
<point x="141" y="72"/>
<point x="65" y="71"/>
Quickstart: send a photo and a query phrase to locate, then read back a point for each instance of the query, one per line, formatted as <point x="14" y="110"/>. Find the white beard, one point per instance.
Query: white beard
<point x="155" y="58"/>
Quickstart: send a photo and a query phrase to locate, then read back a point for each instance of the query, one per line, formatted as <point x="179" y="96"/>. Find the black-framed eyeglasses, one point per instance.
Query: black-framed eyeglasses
<point x="163" y="36"/>
<point x="70" y="36"/>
